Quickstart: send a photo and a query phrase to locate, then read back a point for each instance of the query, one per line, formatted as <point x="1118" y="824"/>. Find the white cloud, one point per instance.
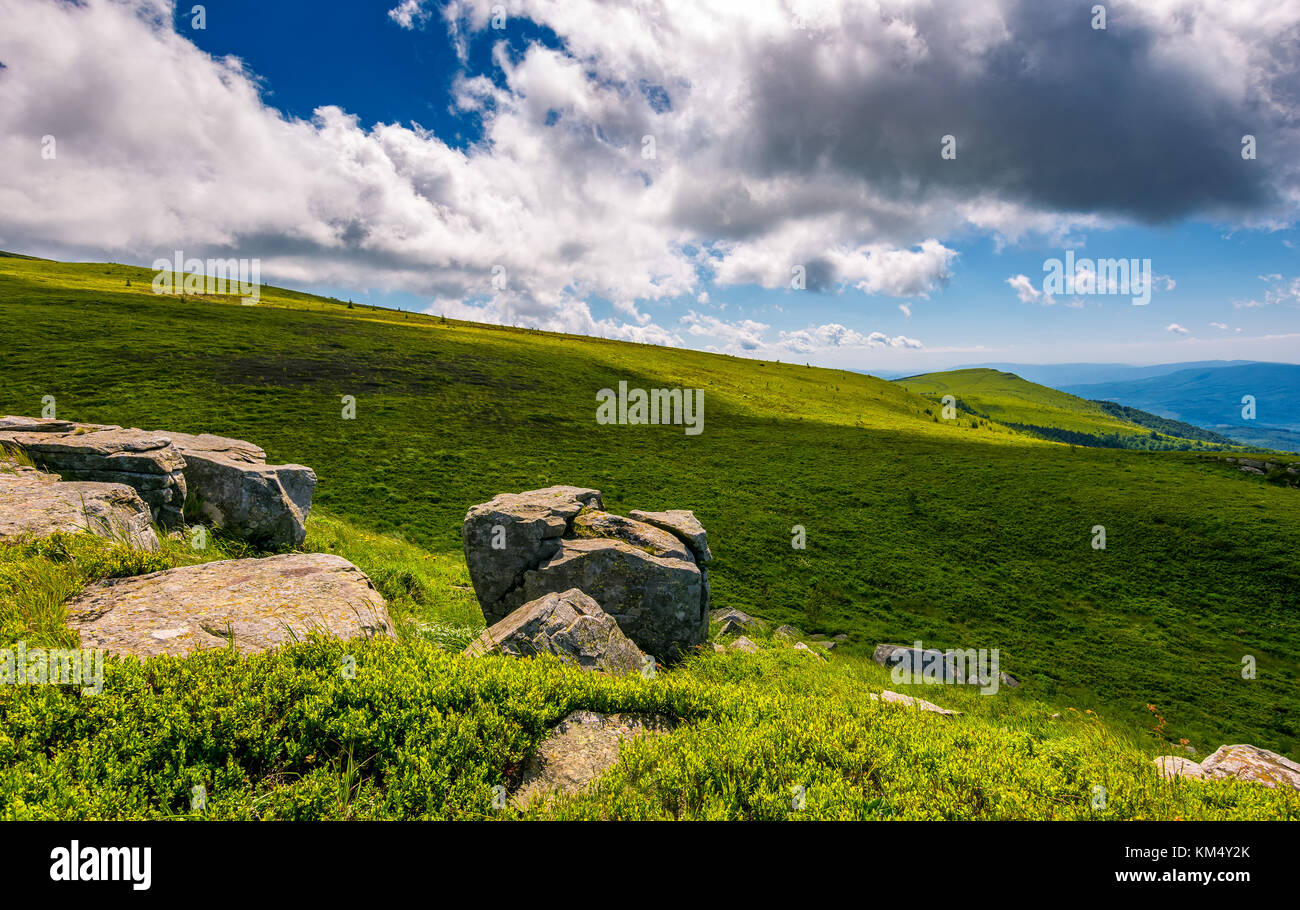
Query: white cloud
<point x="1177" y="329"/>
<point x="1027" y="293"/>
<point x="769" y="151"/>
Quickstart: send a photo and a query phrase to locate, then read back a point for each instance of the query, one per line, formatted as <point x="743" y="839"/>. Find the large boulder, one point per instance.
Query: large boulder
<point x="142" y="460"/>
<point x="522" y="546"/>
<point x="513" y="533"/>
<point x="1246" y="762"/>
<point x="250" y="604"/>
<point x="229" y="479"/>
<point x="33" y="504"/>
<point x="569" y="625"/>
<point x="236" y="490"/>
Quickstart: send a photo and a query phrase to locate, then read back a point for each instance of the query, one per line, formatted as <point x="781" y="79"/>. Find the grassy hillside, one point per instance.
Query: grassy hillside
<point x="1049" y="413"/>
<point x="961" y="534"/>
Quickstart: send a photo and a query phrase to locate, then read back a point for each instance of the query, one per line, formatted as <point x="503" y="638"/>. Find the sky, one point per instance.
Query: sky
<point x="867" y="184"/>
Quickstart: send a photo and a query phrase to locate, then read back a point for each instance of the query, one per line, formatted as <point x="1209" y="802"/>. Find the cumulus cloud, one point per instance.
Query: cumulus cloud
<point x="782" y="134"/>
<point x="1177" y="329"/>
<point x="1027" y="293"/>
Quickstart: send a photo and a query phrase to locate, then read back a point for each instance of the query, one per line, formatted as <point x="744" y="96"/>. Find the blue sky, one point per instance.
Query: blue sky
<point x="416" y="155"/>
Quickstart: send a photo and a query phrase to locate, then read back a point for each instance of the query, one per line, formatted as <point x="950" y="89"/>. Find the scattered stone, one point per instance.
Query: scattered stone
<point x="731" y="627"/>
<point x="38" y="505"/>
<point x="569" y="625"/>
<point x="842" y="637"/>
<point x="950" y="666"/>
<point x="800" y="646"/>
<point x="741" y="618"/>
<point x="235" y="488"/>
<point x="580" y="748"/>
<point x="252" y="604"/>
<point x="744" y="644"/>
<point x="1246" y="762"/>
<point x="787" y="633"/>
<point x="896" y="698"/>
<point x="828" y="645"/>
<point x="522" y="546"/>
<point x="1171" y="766"/>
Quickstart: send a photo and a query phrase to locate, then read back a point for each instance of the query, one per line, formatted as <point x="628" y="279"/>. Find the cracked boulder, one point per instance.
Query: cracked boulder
<point x="33" y="504"/>
<point x="250" y="604"/>
<point x="523" y="546"/>
<point x="570" y="626"/>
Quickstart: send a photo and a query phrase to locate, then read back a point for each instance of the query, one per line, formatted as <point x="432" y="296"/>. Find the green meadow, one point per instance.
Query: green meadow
<point x="962" y="533"/>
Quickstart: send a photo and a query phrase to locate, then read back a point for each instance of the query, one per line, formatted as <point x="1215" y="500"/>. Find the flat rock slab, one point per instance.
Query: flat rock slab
<point x="252" y="604"/>
<point x="898" y="699"/>
<point x="580" y="748"/>
<point x="1246" y="762"/>
<point x="33" y="504"/>
<point x="569" y="625"/>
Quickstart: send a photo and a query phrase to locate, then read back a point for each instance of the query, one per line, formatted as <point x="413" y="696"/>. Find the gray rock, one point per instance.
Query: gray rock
<point x="252" y="604"/>
<point x="569" y="625"/>
<point x="734" y="615"/>
<point x="513" y="533"/>
<point x="38" y="505"/>
<point x="800" y="646"/>
<point x="581" y="748"/>
<point x="656" y="600"/>
<point x="1246" y="762"/>
<point x="744" y="644"/>
<point x="898" y="699"/>
<point x="787" y="633"/>
<point x="731" y="627"/>
<point x="683" y="524"/>
<point x="522" y="546"/>
<point x="944" y="666"/>
<point x="142" y="460"/>
<point x="238" y="491"/>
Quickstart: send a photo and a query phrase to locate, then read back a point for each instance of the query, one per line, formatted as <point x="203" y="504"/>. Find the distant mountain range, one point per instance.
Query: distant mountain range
<point x="1206" y="394"/>
<point x="1211" y="396"/>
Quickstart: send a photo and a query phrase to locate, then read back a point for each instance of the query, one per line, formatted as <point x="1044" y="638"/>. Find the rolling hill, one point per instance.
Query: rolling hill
<point x="1045" y="412"/>
<point x="961" y="533"/>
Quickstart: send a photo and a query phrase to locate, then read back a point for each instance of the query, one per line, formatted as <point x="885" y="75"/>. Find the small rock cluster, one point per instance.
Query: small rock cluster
<point x="648" y="571"/>
<point x="117" y="482"/>
<point x="229" y="479"/>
